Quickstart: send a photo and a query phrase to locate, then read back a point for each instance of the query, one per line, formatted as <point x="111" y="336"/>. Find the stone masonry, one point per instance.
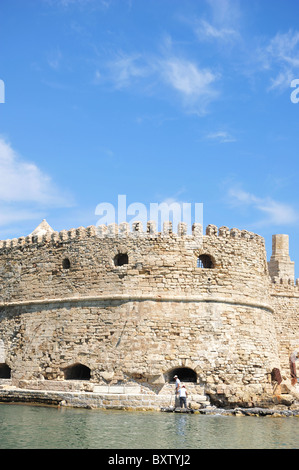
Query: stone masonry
<point x="100" y="308"/>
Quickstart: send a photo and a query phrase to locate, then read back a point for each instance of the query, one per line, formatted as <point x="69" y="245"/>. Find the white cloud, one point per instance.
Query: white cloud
<point x="126" y="68"/>
<point x="281" y="56"/>
<point x="277" y="213"/>
<point x="221" y="136"/>
<point x="24" y="181"/>
<point x="187" y="78"/>
<point x="284" y="48"/>
<point x="224" y="12"/>
<point x="194" y="85"/>
<point x="282" y="80"/>
<point x="25" y="190"/>
<point x="206" y="30"/>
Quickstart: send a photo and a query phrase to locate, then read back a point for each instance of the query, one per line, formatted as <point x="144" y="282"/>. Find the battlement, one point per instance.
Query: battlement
<point x="285" y="285"/>
<point x="124" y="258"/>
<point x="124" y="229"/>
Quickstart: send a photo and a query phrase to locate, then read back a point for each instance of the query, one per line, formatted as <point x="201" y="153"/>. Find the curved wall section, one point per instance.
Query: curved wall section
<point x="159" y="311"/>
<point x="123" y="341"/>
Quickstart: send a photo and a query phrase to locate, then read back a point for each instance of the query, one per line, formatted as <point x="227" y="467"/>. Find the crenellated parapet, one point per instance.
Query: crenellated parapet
<point x="134" y="259"/>
<point x="124" y="229"/>
<point x="283" y="286"/>
<point x="233" y="233"/>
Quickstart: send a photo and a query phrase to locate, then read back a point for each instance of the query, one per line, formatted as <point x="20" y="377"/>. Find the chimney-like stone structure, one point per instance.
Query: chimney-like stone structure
<point x="280" y="265"/>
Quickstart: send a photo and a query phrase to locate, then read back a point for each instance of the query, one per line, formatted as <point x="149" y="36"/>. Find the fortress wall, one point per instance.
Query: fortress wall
<point x="158" y="263"/>
<point x="285" y="300"/>
<point x="141" y="341"/>
<point x="140" y="320"/>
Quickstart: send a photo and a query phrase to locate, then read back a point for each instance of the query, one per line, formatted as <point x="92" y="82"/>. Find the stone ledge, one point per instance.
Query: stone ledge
<point x="83" y="399"/>
<point x="142" y="297"/>
<point x="125" y="402"/>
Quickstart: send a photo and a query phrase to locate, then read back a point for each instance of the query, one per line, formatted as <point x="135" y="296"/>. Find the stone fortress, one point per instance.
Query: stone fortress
<point x="112" y="313"/>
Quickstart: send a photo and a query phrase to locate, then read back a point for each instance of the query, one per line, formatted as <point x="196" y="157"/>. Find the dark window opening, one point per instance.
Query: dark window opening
<point x="121" y="259"/>
<point x="204" y="261"/>
<point x="77" y="372"/>
<point x="5" y="371"/>
<point x="66" y="264"/>
<point x="184" y="374"/>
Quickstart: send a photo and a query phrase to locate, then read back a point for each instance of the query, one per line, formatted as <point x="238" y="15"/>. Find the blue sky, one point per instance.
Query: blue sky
<point x="158" y="100"/>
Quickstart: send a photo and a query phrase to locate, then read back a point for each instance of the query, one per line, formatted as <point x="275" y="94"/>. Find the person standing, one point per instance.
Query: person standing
<point x="183" y="396"/>
<point x="177" y="384"/>
<point x="293" y="358"/>
<point x="176" y="393"/>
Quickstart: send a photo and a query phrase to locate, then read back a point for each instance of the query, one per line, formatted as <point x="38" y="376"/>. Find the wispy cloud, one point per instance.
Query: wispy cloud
<point x="21" y="180"/>
<point x="284" y="48"/>
<point x="25" y="190"/>
<point x="54" y="58"/>
<point x="125" y="69"/>
<point x="193" y="84"/>
<point x="205" y="30"/>
<point x="97" y="77"/>
<point x="281" y="57"/>
<point x="275" y="212"/>
<point x="69" y="3"/>
<point x="225" y="12"/>
<point x="187" y="78"/>
<point x="11" y="214"/>
<point x="221" y="136"/>
<point x="220" y="23"/>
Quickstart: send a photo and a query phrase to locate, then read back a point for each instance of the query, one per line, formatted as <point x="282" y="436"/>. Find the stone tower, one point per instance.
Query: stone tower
<point x="118" y="306"/>
<point x="280" y="265"/>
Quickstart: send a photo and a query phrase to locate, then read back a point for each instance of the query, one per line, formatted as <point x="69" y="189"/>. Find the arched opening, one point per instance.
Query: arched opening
<point x="120" y="259"/>
<point x="185" y="374"/>
<point x="205" y="262"/>
<point x="5" y="371"/>
<point x="77" y="372"/>
<point x="66" y="264"/>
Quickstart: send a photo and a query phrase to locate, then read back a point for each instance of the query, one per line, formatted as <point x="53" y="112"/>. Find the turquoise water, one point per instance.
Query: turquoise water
<point x="38" y="427"/>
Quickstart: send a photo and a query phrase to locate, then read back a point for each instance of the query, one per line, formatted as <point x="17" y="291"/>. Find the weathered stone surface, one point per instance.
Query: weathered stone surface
<point x="134" y="306"/>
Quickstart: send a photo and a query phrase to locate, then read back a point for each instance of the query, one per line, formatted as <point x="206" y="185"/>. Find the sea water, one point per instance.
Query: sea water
<point x="40" y="427"/>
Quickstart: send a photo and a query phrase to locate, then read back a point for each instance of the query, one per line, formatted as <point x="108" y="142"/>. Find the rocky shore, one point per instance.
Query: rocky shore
<point x="268" y="412"/>
<point x="133" y="403"/>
